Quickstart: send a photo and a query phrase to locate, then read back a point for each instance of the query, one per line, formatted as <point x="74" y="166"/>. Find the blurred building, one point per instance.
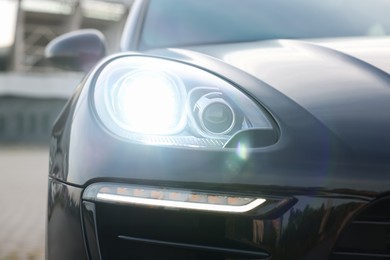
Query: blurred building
<point x="28" y="25"/>
<point x="32" y="93"/>
<point x="8" y="20"/>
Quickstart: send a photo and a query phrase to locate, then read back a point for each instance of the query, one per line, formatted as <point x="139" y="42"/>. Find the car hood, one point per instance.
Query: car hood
<point x="343" y="83"/>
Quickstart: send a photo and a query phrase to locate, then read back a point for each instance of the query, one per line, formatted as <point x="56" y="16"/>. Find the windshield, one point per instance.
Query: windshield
<point x="170" y="23"/>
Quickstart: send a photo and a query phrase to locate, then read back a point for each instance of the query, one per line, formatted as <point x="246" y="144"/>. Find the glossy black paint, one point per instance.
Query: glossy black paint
<point x="64" y="236"/>
<point x="330" y="180"/>
<point x="330" y="103"/>
<point x="79" y="50"/>
<point x="323" y="160"/>
<point x="308" y="230"/>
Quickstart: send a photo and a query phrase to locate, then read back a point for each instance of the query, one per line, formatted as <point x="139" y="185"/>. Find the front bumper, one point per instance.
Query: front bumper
<point x="313" y="227"/>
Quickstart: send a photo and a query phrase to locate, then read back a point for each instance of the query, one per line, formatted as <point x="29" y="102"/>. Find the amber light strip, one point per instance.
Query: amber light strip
<point x="180" y="204"/>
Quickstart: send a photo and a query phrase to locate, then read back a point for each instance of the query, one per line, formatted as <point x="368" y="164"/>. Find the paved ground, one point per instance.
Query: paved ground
<point x="23" y="189"/>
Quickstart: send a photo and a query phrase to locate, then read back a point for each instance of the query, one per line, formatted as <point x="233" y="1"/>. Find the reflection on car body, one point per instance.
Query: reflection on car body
<point x="259" y="130"/>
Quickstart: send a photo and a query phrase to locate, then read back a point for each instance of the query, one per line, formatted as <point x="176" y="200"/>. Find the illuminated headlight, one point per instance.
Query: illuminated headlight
<point x="148" y="102"/>
<point x="161" y="102"/>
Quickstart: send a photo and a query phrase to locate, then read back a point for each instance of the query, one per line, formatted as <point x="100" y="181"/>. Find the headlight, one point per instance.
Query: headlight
<point x="161" y="102"/>
<point x="147" y="101"/>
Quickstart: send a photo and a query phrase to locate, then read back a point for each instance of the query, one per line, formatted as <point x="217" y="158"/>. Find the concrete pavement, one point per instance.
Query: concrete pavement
<point x="23" y="189"/>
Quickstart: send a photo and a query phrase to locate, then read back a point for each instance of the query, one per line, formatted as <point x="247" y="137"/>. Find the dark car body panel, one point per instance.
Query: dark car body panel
<point x="329" y="101"/>
<point x="341" y="143"/>
<point x="64" y="227"/>
<point x="284" y="236"/>
<point x="326" y="171"/>
<point x="343" y="86"/>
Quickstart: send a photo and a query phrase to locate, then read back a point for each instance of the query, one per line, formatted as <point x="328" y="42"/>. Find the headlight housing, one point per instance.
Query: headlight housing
<point x="161" y="102"/>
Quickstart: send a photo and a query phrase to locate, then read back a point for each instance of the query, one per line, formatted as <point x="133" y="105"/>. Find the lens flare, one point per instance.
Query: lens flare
<point x="242" y="151"/>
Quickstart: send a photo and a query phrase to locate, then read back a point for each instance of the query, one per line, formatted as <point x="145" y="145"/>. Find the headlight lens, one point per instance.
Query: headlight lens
<point x="214" y="113"/>
<point x="162" y="102"/>
<point x="154" y="108"/>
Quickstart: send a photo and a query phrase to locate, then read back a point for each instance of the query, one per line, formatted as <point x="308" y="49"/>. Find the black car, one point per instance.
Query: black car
<point x="226" y="129"/>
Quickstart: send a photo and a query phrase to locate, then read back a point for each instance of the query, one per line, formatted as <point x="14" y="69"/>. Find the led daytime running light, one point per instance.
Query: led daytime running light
<point x="169" y="198"/>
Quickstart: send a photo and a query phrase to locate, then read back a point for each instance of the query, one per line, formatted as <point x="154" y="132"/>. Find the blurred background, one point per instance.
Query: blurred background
<point x="31" y="96"/>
